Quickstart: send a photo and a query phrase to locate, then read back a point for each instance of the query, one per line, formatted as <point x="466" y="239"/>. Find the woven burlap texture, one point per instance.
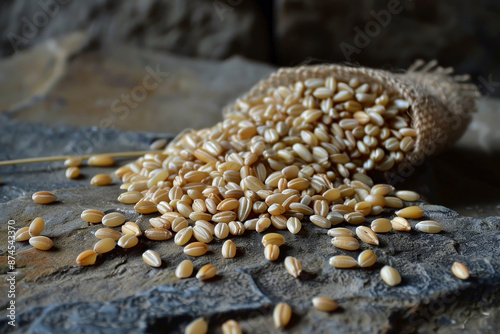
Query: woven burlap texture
<point x="441" y="104"/>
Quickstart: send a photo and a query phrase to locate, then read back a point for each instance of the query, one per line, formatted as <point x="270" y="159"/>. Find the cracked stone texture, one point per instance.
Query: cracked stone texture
<point x="120" y="294"/>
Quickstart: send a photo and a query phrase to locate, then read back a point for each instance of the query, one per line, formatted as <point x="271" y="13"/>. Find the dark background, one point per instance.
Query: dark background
<point x="464" y="34"/>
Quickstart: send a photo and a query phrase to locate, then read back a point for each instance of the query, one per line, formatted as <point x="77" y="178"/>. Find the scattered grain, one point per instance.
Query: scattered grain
<point x="206" y="272"/>
<point x="400" y="224"/>
<point x="86" y="258"/>
<point x="101" y="161"/>
<point x="197" y="326"/>
<point x="127" y="241"/>
<point x="22" y="234"/>
<point x="36" y="227"/>
<point x="113" y="219"/>
<point x="347" y="243"/>
<point x="390" y="276"/>
<point x="367" y="235"/>
<point x="196" y="249"/>
<point x="273" y="239"/>
<point x="152" y="258"/>
<point x="412" y="212"/>
<point x="44" y="197"/>
<point x="105" y="232"/>
<point x="184" y="269"/>
<point x="228" y="249"/>
<point x="343" y="261"/>
<point x="429" y="226"/>
<point x="460" y="270"/>
<point x="281" y="315"/>
<point x="101" y="180"/>
<point x="367" y="258"/>
<point x="104" y="245"/>
<point x="325" y="304"/>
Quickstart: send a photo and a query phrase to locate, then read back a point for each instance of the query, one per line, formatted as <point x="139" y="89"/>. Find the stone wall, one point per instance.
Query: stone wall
<point x="381" y="33"/>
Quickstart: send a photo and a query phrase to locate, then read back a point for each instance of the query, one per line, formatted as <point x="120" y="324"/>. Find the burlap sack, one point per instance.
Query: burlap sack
<point x="441" y="104"/>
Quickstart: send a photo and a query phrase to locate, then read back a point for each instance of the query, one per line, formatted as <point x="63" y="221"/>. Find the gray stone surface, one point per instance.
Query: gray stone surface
<point x="120" y="294"/>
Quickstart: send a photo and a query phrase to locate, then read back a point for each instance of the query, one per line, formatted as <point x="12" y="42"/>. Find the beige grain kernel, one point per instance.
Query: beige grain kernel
<point x="206" y="272"/>
<point x="145" y="207"/>
<point x="367" y="235"/>
<point x="381" y="225"/>
<point x="325" y="304"/>
<point x="347" y="243"/>
<point x="183" y="236"/>
<point x="273" y="239"/>
<point x="400" y="224"/>
<point x="354" y="218"/>
<point x="276" y="209"/>
<point x="72" y="172"/>
<point x="272" y="252"/>
<point x="203" y="234"/>
<point x="184" y="269"/>
<point x="231" y="327"/>
<point x="279" y="222"/>
<point x="130" y="197"/>
<point x="221" y="230"/>
<point x="320" y="221"/>
<point x="281" y="315"/>
<point x="151" y="258"/>
<point x="113" y="219"/>
<point x="105" y="232"/>
<point x="36" y="227"/>
<point x="229" y="249"/>
<point x="262" y="224"/>
<point x="160" y="222"/>
<point x="340" y="232"/>
<point x="293" y="225"/>
<point x="293" y="266"/>
<point x="408" y="195"/>
<point x="101" y="161"/>
<point x="92" y="216"/>
<point x="101" y="180"/>
<point x="43" y="197"/>
<point x="196" y="249"/>
<point x="335" y="218"/>
<point x="390" y="276"/>
<point x="41" y="242"/>
<point x="236" y="228"/>
<point x="73" y="162"/>
<point x="86" y="258"/>
<point x="412" y="212"/>
<point x="197" y="326"/>
<point x="104" y="245"/>
<point x="343" y="261"/>
<point x="22" y="234"/>
<point x="132" y="229"/>
<point x="393" y="202"/>
<point x="127" y="241"/>
<point x="158" y="234"/>
<point x="429" y="226"/>
<point x="224" y="217"/>
<point x="367" y="258"/>
<point x="460" y="270"/>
